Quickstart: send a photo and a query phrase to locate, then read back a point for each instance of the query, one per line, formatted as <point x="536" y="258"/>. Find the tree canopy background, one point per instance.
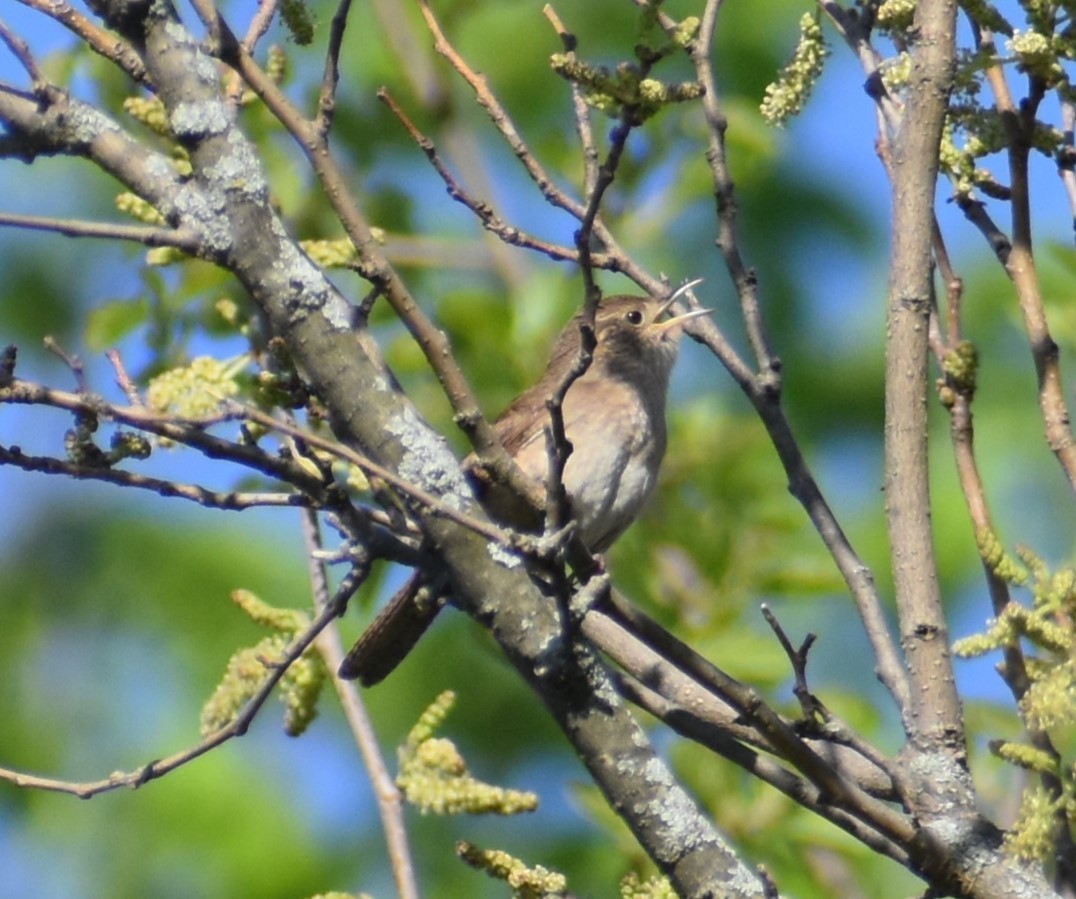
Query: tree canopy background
<point x="116" y="623"/>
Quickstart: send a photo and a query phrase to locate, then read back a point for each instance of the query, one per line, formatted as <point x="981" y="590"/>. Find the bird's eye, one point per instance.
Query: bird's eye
<point x="635" y="317"/>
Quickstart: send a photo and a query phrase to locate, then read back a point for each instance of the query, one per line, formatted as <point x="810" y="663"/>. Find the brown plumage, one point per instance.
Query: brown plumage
<point x="614" y="418"/>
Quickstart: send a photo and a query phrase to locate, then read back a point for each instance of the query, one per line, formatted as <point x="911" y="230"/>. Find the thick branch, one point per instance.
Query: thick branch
<point x="936" y="720"/>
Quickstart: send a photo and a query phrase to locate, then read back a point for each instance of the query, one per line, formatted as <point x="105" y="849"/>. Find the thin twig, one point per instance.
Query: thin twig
<point x="193" y="435"/>
<point x="500" y="118"/>
<point x="959" y="397"/>
<point x="583" y="126"/>
<point x="148" y="236"/>
<point x="372" y="525"/>
<point x="389" y="803"/>
<point x="559" y="448"/>
<point x="323" y="118"/>
<point x="854" y="26"/>
<point x="225" y="500"/>
<point x="590" y="221"/>
<point x="817" y="718"/>
<point x="1066" y="161"/>
<point x="764" y="389"/>
<point x="434" y="504"/>
<point x="781" y="734"/>
<point x="975" y="212"/>
<point x="483" y="211"/>
<point x="123" y="380"/>
<point x="810" y="705"/>
<point x="727" y="238"/>
<point x="259" y="24"/>
<point x="613" y="257"/>
<point x="71" y="360"/>
<point x="954" y="288"/>
<point x="1019" y="121"/>
<point x="237" y="727"/>
<point x="8" y="356"/>
<point x="103" y="42"/>
<point x="21" y="51"/>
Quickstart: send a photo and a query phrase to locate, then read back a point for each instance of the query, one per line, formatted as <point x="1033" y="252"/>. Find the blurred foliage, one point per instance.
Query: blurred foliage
<point x="114" y="615"/>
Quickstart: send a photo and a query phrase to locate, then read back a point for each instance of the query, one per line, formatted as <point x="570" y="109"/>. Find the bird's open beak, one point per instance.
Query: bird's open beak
<point x="677" y="320"/>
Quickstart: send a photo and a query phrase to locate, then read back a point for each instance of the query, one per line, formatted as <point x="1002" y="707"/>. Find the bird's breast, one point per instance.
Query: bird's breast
<point x="618" y="440"/>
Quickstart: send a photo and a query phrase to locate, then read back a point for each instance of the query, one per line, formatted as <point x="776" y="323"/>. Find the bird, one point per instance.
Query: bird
<point x="614" y="420"/>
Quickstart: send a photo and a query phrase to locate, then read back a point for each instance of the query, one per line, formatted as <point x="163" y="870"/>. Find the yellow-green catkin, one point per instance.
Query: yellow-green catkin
<point x="434" y="777"/>
<point x="787" y="96"/>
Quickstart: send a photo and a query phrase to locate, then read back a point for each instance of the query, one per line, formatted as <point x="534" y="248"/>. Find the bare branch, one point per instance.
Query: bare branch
<point x="957" y="396"/>
<point x="686" y="720"/>
<point x="331" y="77"/>
<point x="259" y="24"/>
<point x="1066" y="164"/>
<point x="727" y="239"/>
<point x="376" y="267"/>
<point x="225" y="500"/>
<point x="123" y="380"/>
<point x="937" y="719"/>
<point x="764" y="389"/>
<point x="976" y="213"/>
<point x="149" y="236"/>
<point x="500" y="118"/>
<point x="433" y="504"/>
<point x="579" y="106"/>
<point x="483" y="211"/>
<point x="389" y="800"/>
<point x="776" y="730"/>
<point x="235" y="728"/>
<point x="21" y="52"/>
<point x="1020" y="265"/>
<point x="102" y="42"/>
<point x="193" y="434"/>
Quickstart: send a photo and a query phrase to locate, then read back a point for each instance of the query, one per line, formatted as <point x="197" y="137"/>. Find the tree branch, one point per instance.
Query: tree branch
<point x="225" y="500"/>
<point x="389" y="799"/>
<point x="936" y="722"/>
<point x="237" y="727"/>
<point x="1021" y="268"/>
<point x="764" y="389"/>
<point x="149" y="236"/>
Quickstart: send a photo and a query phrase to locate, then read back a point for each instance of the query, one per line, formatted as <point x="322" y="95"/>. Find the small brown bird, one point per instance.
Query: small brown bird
<point x="614" y="418"/>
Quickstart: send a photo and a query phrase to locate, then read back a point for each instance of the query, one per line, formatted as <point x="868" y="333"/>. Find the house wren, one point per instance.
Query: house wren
<point x="614" y="419"/>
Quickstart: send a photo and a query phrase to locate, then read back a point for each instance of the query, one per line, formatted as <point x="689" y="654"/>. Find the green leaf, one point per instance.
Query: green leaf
<point x="110" y="322"/>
